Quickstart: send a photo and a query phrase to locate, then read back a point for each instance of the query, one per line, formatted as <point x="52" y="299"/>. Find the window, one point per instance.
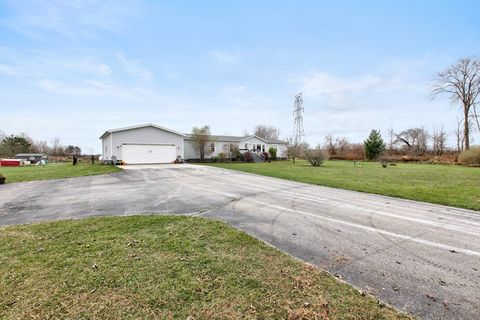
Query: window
<point x="212" y="147"/>
<point x="246" y="146"/>
<point x="231" y="147"/>
<point x="263" y="148"/>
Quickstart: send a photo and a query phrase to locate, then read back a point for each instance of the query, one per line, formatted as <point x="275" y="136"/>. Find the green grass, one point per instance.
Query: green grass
<point x="442" y="184"/>
<point x="54" y="171"/>
<point x="163" y="267"/>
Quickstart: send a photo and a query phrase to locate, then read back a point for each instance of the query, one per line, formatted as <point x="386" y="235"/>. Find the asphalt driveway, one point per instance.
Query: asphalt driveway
<point x="422" y="258"/>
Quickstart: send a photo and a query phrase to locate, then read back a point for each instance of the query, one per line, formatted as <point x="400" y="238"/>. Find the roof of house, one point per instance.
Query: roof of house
<point x="188" y="136"/>
<point x="30" y="155"/>
<point x="138" y="127"/>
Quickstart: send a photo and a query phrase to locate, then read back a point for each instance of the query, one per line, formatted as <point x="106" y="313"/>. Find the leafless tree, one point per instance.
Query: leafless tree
<point x="2" y="136"/>
<point x="414" y="140"/>
<point x="230" y="150"/>
<point x="462" y="83"/>
<point x="295" y="150"/>
<point x="439" y="139"/>
<point x="460" y="136"/>
<point x="202" y="137"/>
<point x="330" y="145"/>
<point x="41" y="146"/>
<point x="266" y="132"/>
<point x="57" y="148"/>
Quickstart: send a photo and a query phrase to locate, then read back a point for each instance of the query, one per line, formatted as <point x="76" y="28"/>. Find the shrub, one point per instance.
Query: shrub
<point x="238" y="155"/>
<point x="470" y="157"/>
<point x="221" y="157"/>
<point x="265" y="156"/>
<point x="273" y="153"/>
<point x="315" y="156"/>
<point x="247" y="156"/>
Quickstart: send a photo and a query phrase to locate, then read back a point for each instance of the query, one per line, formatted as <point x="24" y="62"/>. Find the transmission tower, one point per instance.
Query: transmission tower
<point x="298" y="134"/>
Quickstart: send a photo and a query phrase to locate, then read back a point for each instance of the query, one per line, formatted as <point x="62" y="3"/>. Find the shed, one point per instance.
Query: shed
<point x="32" y="157"/>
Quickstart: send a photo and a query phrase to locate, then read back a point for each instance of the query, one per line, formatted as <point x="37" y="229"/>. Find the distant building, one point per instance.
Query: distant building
<point x="32" y="157"/>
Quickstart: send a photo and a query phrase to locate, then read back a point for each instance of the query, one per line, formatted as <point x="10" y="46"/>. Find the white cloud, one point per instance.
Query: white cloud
<point x="68" y="17"/>
<point x="337" y="89"/>
<point x="225" y="55"/>
<point x="134" y="68"/>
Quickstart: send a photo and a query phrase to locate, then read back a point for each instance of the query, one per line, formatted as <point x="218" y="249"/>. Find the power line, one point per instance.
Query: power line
<point x="298" y="134"/>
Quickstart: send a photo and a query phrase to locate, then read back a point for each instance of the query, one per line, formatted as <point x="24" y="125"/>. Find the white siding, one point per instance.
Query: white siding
<point x="253" y="142"/>
<point x="145" y="135"/>
<point x="192" y="152"/>
<point x="107" y="147"/>
<point x="281" y="149"/>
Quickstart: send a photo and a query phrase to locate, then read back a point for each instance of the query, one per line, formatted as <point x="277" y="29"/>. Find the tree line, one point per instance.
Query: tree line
<point x="10" y="145"/>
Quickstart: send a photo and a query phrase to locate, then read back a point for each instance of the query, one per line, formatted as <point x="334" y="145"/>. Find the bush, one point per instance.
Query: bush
<point x="247" y="157"/>
<point x="470" y="157"/>
<point x="238" y="155"/>
<point x="315" y="156"/>
<point x="273" y="153"/>
<point x="265" y="156"/>
<point x="221" y="157"/>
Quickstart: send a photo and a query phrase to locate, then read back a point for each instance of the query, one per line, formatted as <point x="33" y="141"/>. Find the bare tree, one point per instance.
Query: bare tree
<point x="439" y="139"/>
<point x="462" y="83"/>
<point x="459" y="135"/>
<point x="201" y="136"/>
<point x="40" y="146"/>
<point x="2" y="136"/>
<point x="330" y="145"/>
<point x="414" y="140"/>
<point x="294" y="149"/>
<point x="266" y="132"/>
<point x="57" y="149"/>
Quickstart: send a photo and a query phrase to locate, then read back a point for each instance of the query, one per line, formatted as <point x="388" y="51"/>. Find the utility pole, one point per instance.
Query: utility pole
<point x="298" y="132"/>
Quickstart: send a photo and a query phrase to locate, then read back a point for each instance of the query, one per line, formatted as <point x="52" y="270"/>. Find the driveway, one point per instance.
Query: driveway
<point x="422" y="258"/>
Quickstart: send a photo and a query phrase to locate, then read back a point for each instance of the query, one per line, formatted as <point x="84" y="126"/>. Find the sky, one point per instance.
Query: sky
<point x="73" y="69"/>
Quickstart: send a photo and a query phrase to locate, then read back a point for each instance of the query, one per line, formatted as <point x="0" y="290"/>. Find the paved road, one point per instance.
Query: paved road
<point x="422" y="258"/>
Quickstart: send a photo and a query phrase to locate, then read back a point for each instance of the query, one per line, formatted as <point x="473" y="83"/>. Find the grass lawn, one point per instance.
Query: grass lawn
<point x="151" y="267"/>
<point x="54" y="171"/>
<point x="443" y="184"/>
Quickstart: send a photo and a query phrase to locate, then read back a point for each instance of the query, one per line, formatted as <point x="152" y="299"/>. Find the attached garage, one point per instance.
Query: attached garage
<point x="142" y="144"/>
<point x="148" y="153"/>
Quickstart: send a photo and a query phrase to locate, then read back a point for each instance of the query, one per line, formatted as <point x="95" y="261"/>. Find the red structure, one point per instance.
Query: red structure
<point x="10" y="163"/>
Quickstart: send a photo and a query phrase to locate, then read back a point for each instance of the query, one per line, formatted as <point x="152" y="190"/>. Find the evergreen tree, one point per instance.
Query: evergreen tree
<point x="374" y="145"/>
<point x="15" y="144"/>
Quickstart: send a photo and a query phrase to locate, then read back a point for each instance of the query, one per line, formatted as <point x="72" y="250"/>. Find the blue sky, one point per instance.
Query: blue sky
<point x="73" y="69"/>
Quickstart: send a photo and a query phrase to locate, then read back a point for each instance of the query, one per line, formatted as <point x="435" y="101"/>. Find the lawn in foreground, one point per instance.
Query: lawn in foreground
<point x="442" y="184"/>
<point x="54" y="171"/>
<point x="150" y="267"/>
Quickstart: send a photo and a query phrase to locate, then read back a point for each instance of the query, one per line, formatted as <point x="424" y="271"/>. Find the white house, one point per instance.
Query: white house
<point x="150" y="143"/>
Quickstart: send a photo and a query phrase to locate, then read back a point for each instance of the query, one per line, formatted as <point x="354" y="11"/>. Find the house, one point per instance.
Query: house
<point x="32" y="157"/>
<point x="151" y="143"/>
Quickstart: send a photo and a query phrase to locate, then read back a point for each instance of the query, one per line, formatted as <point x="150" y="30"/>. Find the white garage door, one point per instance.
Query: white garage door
<point x="148" y="153"/>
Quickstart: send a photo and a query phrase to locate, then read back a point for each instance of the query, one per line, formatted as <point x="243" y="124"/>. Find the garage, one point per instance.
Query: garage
<point x="148" y="153"/>
<point x="143" y="144"/>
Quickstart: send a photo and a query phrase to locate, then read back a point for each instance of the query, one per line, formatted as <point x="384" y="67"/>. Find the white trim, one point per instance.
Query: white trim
<point x="254" y="136"/>
<point x="141" y="126"/>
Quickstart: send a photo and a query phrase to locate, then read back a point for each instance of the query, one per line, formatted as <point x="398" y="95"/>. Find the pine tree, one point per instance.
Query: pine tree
<point x="374" y="145"/>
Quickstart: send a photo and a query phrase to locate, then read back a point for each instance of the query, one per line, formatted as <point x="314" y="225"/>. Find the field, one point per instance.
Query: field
<point x="151" y="267"/>
<point x="442" y="184"/>
<point x="54" y="171"/>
